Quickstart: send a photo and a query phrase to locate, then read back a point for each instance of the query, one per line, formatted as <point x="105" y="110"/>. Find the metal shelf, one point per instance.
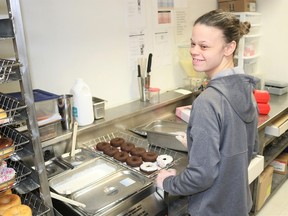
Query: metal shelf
<point x="9" y="70"/>
<point x="11" y="28"/>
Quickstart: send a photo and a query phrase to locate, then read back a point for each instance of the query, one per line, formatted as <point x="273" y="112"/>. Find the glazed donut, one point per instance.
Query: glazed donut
<point x="6" y="147"/>
<point x="149" y="156"/>
<point x="148" y="167"/>
<point x="164" y="160"/>
<point x="121" y="156"/>
<point x="134" y="161"/>
<point x="9" y="201"/>
<point x="101" y="145"/>
<point x="5" y="142"/>
<point x="19" y="210"/>
<point x="137" y="151"/>
<point x="117" y="141"/>
<point x="3" y="193"/>
<point x="110" y="151"/>
<point x="127" y="146"/>
<point x="3" y="114"/>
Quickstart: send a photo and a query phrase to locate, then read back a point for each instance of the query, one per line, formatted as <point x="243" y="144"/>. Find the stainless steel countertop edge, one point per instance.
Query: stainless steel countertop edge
<point x="114" y="114"/>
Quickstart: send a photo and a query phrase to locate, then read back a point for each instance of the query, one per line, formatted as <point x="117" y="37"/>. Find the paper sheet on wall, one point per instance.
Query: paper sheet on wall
<point x="162" y="48"/>
<point x="182" y="30"/>
<point x="136" y="48"/>
<point x="135" y="14"/>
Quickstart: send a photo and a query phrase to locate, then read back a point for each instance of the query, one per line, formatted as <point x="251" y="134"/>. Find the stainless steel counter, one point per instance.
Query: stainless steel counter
<point x="138" y="114"/>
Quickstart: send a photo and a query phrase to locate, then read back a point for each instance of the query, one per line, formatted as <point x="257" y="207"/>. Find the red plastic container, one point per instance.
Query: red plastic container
<point x="264" y="108"/>
<point x="261" y="96"/>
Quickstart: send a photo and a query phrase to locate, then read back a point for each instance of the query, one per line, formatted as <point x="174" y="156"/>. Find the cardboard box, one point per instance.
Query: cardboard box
<point x="238" y="5"/>
<point x="265" y="184"/>
<point x="280" y="164"/>
<point x="184" y="112"/>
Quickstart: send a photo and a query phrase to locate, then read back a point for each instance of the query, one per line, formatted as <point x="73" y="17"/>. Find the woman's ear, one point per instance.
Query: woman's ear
<point x="230" y="48"/>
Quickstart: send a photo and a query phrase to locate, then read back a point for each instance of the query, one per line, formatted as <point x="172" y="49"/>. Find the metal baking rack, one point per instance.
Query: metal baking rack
<point x="35" y="203"/>
<point x="9" y="70"/>
<point x="14" y="109"/>
<point x="139" y="142"/>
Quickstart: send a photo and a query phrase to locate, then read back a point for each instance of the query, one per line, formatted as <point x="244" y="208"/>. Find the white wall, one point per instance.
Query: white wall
<point x="274" y="46"/>
<point x="68" y="39"/>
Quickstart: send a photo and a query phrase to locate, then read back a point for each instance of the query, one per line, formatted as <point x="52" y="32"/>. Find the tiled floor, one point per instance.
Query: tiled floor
<point x="278" y="204"/>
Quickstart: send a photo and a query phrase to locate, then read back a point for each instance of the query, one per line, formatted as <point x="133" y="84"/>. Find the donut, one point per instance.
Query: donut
<point x="121" y="156"/>
<point x="149" y="156"/>
<point x="110" y="151"/>
<point x="19" y="210"/>
<point x="148" y="167"/>
<point x="3" y="165"/>
<point x="134" y="161"/>
<point x="127" y="146"/>
<point x="117" y="141"/>
<point x="164" y="160"/>
<point x="6" y="147"/>
<point x="3" y="193"/>
<point x="3" y="114"/>
<point x="137" y="151"/>
<point x="5" y="142"/>
<point x="8" y="201"/>
<point x="101" y="145"/>
<point x="7" y="176"/>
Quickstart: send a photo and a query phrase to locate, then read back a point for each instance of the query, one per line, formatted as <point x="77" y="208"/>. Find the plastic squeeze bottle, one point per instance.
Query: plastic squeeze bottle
<point x="82" y="103"/>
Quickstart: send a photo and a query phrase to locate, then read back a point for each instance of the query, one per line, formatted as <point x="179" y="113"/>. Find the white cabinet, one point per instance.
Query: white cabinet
<point x="248" y="51"/>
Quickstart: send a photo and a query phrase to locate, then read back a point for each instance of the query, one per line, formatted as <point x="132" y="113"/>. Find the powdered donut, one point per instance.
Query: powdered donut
<point x="149" y="156"/>
<point x="134" y="161"/>
<point x="148" y="167"/>
<point x="164" y="160"/>
<point x="117" y="141"/>
<point x="137" y="151"/>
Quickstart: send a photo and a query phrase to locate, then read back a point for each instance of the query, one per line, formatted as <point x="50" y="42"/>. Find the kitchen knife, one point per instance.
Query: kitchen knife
<point x="149" y="64"/>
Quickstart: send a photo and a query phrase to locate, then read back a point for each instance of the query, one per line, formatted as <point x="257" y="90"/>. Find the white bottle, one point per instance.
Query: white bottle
<point x="82" y="103"/>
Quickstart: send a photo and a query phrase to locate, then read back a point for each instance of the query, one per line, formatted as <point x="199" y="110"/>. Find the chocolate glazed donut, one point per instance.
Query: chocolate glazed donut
<point x="117" y="141"/>
<point x="137" y="151"/>
<point x="121" y="156"/>
<point x="127" y="146"/>
<point x="149" y="156"/>
<point x="134" y="161"/>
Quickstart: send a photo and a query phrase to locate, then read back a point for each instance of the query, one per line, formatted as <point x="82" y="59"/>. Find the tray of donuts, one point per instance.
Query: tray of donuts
<point x="134" y="153"/>
<point x="11" y="141"/>
<point x="11" y="110"/>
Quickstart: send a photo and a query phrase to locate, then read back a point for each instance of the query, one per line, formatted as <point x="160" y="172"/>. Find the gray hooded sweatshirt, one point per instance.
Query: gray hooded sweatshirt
<point x="222" y="138"/>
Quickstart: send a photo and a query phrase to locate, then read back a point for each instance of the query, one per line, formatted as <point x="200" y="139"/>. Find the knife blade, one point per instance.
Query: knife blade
<point x="149" y="64"/>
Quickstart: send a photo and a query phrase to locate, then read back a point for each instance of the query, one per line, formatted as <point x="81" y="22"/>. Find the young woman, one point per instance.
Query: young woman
<point x="222" y="132"/>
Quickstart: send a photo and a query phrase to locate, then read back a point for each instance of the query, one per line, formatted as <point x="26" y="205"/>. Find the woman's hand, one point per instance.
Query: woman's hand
<point x="182" y="137"/>
<point x="163" y="174"/>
